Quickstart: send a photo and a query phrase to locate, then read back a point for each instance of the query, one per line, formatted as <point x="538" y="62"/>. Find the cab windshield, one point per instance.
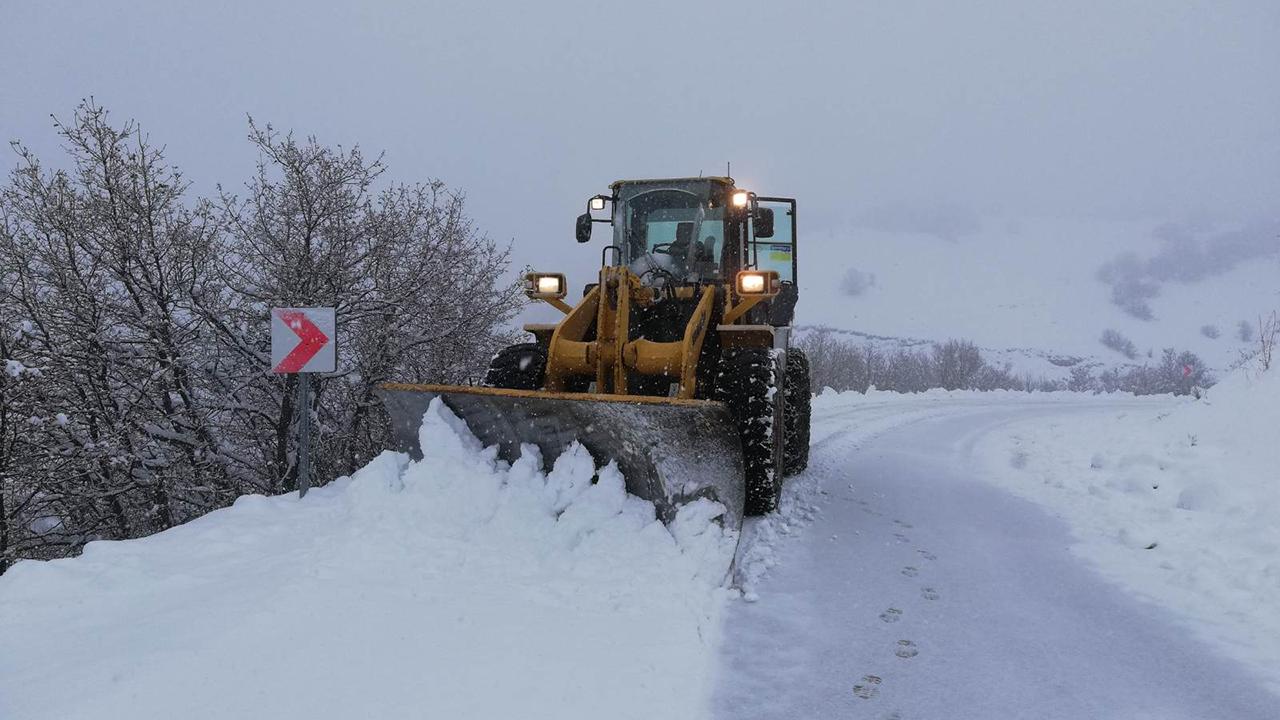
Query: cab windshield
<point x="671" y="231"/>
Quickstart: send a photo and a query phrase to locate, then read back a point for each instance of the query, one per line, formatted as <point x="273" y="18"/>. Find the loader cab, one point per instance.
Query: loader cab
<point x="678" y="229"/>
<point x="697" y="229"/>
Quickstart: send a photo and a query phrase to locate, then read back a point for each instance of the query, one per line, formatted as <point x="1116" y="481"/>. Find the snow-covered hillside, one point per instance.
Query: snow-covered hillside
<point x="1028" y="288"/>
<point x="1179" y="506"/>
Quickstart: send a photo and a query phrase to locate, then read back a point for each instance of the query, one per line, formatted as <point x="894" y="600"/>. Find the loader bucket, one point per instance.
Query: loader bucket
<point x="670" y="451"/>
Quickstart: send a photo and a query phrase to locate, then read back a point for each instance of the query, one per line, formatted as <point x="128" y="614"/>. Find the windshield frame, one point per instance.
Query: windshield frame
<point x="703" y="201"/>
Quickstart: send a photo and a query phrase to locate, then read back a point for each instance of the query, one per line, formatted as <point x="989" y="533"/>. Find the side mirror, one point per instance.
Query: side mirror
<point x="583" y="229"/>
<point x="763" y="223"/>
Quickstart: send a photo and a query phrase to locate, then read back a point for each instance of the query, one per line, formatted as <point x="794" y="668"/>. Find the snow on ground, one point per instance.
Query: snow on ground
<point x="461" y="587"/>
<point x="1179" y="506"/>
<point x="454" y="587"/>
<point x="918" y="589"/>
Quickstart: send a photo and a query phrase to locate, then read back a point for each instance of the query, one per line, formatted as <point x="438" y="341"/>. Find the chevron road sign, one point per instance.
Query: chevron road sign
<point x="302" y="340"/>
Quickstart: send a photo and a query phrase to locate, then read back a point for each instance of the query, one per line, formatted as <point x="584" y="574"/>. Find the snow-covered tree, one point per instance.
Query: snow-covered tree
<point x="419" y="293"/>
<point x="136" y="390"/>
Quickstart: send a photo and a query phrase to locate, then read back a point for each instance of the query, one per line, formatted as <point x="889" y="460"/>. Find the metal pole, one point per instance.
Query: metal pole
<point x="304" y="433"/>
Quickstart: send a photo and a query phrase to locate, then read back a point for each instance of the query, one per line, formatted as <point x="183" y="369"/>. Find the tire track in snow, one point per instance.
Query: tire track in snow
<point x="997" y="624"/>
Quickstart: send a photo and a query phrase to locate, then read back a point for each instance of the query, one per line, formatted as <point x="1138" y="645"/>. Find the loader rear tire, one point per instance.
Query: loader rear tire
<point x="747" y="382"/>
<point x="797" y="411"/>
<point x="517" y="367"/>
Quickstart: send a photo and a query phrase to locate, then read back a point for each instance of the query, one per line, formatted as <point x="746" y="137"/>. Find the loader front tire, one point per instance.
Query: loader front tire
<point x="797" y="411"/>
<point x="517" y="367"/>
<point x="747" y="382"/>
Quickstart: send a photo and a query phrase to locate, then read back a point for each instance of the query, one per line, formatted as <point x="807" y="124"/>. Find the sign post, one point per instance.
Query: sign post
<point x="302" y="342"/>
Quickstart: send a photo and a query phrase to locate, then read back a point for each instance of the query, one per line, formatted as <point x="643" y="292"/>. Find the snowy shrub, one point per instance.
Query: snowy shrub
<point x="957" y="363"/>
<point x="1268" y="333"/>
<point x="1082" y="380"/>
<point x="1131" y="289"/>
<point x="1176" y="373"/>
<point x="1244" y="331"/>
<point x="856" y="282"/>
<point x="837" y="364"/>
<point x="1064" y="360"/>
<point x="1210" y="331"/>
<point x="1114" y="340"/>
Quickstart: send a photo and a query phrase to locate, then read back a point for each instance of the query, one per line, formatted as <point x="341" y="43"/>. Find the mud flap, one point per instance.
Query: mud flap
<point x="670" y="451"/>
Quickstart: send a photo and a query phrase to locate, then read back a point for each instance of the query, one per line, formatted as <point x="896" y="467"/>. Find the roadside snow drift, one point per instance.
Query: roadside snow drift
<point x="455" y="587"/>
<point x="1180" y="506"/>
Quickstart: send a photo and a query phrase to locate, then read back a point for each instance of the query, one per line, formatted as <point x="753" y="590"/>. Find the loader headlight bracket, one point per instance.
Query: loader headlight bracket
<point x="545" y="286"/>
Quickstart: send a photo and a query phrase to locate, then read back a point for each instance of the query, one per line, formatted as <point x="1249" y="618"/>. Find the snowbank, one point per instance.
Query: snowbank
<point x="455" y="587"/>
<point x="1182" y="507"/>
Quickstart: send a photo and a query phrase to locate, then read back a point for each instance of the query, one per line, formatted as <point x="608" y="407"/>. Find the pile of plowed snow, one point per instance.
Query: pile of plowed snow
<point x="454" y="587"/>
<point x="1181" y="505"/>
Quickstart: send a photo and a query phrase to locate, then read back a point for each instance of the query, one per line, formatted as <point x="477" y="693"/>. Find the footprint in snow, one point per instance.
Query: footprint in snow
<point x="902" y="538"/>
<point x="868" y="688"/>
<point x="906" y="649"/>
<point x="892" y="615"/>
<point x="903" y="524"/>
<point x="927" y="555"/>
<point x="929" y="593"/>
<point x="910" y="571"/>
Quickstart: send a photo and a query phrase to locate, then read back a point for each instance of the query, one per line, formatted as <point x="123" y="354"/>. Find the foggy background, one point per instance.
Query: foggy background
<point x="882" y="118"/>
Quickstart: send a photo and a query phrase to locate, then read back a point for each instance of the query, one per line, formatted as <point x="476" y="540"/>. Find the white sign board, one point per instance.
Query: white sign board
<point x="304" y="340"/>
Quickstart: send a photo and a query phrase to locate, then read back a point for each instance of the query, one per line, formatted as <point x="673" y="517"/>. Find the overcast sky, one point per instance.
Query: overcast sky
<point x="865" y="111"/>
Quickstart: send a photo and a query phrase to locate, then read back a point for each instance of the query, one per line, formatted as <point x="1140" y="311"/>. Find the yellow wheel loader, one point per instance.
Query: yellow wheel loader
<point x="675" y="363"/>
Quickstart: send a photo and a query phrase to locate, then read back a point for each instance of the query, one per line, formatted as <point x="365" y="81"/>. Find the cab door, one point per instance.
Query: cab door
<point x="778" y="251"/>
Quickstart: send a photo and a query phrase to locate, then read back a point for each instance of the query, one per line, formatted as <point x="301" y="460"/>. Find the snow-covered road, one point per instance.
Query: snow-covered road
<point x="918" y="590"/>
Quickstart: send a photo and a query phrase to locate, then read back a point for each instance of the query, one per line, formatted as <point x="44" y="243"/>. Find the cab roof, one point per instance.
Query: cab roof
<point x="712" y="178"/>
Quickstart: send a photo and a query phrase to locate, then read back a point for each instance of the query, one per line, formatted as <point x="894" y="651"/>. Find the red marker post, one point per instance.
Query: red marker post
<point x="302" y="342"/>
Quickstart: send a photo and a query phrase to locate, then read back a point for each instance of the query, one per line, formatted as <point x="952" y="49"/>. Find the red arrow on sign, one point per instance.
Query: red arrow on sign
<point x="311" y="340"/>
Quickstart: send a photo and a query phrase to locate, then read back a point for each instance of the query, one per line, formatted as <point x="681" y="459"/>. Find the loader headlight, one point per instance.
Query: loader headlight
<point x="545" y="286"/>
<point x="597" y="202"/>
<point x="757" y="282"/>
<point x="741" y="198"/>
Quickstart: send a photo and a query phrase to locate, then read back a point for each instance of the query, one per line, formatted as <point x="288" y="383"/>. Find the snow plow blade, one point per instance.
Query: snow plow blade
<point x="670" y="451"/>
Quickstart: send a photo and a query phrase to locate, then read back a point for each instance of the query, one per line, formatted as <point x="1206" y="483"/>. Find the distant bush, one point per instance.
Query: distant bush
<point x="1210" y="331"/>
<point x="957" y="363"/>
<point x="1268" y="334"/>
<point x="1082" y="380"/>
<point x="954" y="365"/>
<point x="1131" y="287"/>
<point x="1259" y="355"/>
<point x="837" y="364"/>
<point x="1116" y="341"/>
<point x="1177" y="373"/>
<point x="856" y="282"/>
